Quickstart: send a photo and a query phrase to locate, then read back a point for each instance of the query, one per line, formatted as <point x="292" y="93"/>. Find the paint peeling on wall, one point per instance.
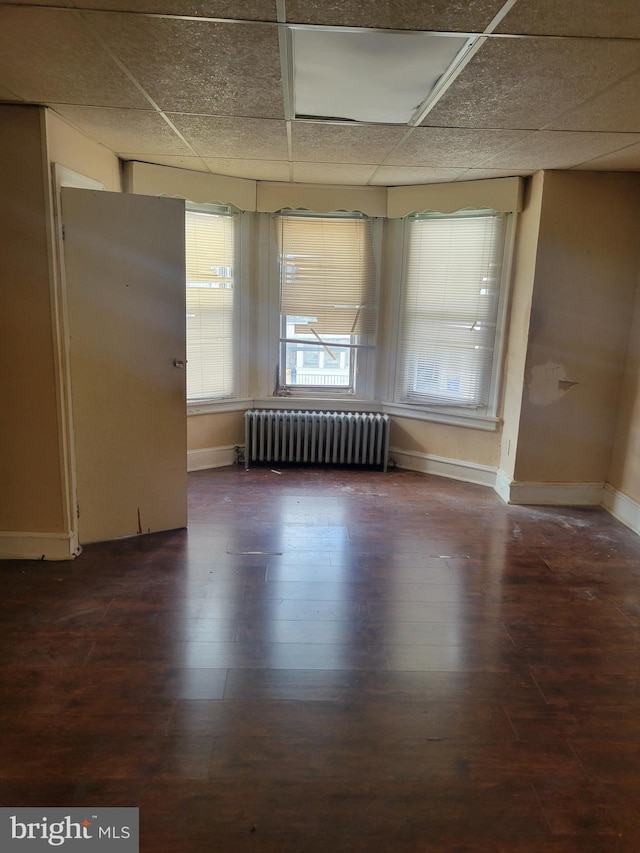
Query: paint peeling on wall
<point x="549" y="383"/>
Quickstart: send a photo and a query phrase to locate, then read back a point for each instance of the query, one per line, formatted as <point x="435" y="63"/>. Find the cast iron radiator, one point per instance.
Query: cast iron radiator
<point x="336" y="438"/>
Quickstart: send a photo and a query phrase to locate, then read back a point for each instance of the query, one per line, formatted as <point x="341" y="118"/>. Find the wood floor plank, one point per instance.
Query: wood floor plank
<point x="335" y="660"/>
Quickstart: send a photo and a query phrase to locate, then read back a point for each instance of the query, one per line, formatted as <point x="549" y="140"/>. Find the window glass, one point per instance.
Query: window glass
<point x="210" y="277"/>
<point x="327" y="299"/>
<point x="452" y="286"/>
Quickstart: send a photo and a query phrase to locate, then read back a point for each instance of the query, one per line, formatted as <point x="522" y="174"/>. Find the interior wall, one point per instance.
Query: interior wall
<point x="226" y="429"/>
<point x="449" y="442"/>
<point x="30" y="454"/>
<point x="198" y="187"/>
<point x="523" y="276"/>
<point x="584" y="289"/>
<point x="624" y="471"/>
<point x="218" y="429"/>
<point x="68" y="147"/>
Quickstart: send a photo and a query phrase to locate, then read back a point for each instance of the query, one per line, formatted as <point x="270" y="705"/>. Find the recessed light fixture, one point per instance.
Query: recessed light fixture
<point x="377" y="76"/>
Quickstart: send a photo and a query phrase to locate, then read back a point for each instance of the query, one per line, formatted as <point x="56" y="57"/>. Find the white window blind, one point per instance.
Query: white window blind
<point x="327" y="293"/>
<point x="210" y="261"/>
<point x="452" y="284"/>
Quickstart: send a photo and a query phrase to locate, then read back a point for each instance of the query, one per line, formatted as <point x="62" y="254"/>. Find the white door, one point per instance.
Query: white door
<point x="125" y="294"/>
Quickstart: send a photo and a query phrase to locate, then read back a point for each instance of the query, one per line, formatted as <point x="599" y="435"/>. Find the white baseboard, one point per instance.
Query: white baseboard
<point x="622" y="507"/>
<point x="454" y="469"/>
<point x="548" y="494"/>
<point x="38" y="546"/>
<point x="211" y="457"/>
<point x="503" y="485"/>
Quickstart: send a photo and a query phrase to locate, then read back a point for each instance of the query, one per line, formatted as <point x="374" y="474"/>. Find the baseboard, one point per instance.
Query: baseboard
<point x="38" y="546"/>
<point x="622" y="507"/>
<point x="453" y="469"/>
<point x="548" y="494"/>
<point x="211" y="457"/>
<point x="503" y="485"/>
<point x="484" y="475"/>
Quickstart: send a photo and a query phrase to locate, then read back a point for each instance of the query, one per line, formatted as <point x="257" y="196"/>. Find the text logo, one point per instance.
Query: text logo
<point x="108" y="830"/>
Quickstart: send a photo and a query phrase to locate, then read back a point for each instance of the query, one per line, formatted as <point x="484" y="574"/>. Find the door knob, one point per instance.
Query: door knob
<point x="179" y="363"/>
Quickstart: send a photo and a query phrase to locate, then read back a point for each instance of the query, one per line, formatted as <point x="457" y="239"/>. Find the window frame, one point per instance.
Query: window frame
<point x="362" y="387"/>
<point x="240" y="345"/>
<point x="486" y="417"/>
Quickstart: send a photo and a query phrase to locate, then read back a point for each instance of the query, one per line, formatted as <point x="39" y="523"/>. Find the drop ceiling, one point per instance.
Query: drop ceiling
<point x="209" y="85"/>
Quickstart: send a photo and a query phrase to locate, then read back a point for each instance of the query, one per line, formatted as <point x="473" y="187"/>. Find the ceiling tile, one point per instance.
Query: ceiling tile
<point x="332" y="173"/>
<point x="223" y="136"/>
<point x="558" y="149"/>
<point x="625" y="160"/>
<point x="49" y="56"/>
<point x="398" y="176"/>
<point x="194" y="164"/>
<point x="7" y="95"/>
<point x="449" y="147"/>
<point x="619" y="18"/>
<point x="616" y="109"/>
<point x="197" y="66"/>
<point x="520" y="105"/>
<point x="250" y="10"/>
<point x="125" y="130"/>
<point x="255" y="170"/>
<point x="444" y="15"/>
<point x="525" y="83"/>
<point x="335" y="143"/>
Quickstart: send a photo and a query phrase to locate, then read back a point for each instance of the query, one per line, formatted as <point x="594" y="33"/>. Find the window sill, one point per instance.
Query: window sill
<point x="322" y="404"/>
<point x="343" y="404"/>
<point x="487" y="423"/>
<point x="241" y="404"/>
<point x="207" y="407"/>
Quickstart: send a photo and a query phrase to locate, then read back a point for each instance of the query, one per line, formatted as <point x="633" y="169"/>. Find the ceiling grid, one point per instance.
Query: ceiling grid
<point x="209" y="85"/>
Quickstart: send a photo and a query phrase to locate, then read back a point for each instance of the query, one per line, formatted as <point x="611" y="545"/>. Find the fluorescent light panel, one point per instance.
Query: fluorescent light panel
<point x="369" y="75"/>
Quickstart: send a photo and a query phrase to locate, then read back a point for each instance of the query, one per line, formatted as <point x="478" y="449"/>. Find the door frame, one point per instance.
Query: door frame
<point x="61" y="176"/>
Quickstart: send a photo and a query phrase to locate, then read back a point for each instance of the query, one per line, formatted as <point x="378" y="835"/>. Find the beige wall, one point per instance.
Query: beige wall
<point x="624" y="472"/>
<point x="584" y="287"/>
<point x="72" y="149"/>
<point x="226" y="429"/>
<point x="524" y="266"/>
<point x="33" y="450"/>
<point x="223" y="429"/>
<point x="30" y="454"/>
<point x="450" y="442"/>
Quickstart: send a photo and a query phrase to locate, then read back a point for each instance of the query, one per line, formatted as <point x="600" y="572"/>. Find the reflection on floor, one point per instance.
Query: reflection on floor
<point x="335" y="661"/>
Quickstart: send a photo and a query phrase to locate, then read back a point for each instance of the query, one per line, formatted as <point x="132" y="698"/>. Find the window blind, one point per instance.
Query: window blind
<point x="451" y="292"/>
<point x="327" y="274"/>
<point x="210" y="261"/>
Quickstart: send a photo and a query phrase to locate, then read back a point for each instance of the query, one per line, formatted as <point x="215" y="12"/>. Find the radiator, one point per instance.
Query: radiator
<point x="336" y="438"/>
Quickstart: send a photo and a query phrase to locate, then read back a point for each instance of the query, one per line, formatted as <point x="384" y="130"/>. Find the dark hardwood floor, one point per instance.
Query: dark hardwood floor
<point x="335" y="662"/>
